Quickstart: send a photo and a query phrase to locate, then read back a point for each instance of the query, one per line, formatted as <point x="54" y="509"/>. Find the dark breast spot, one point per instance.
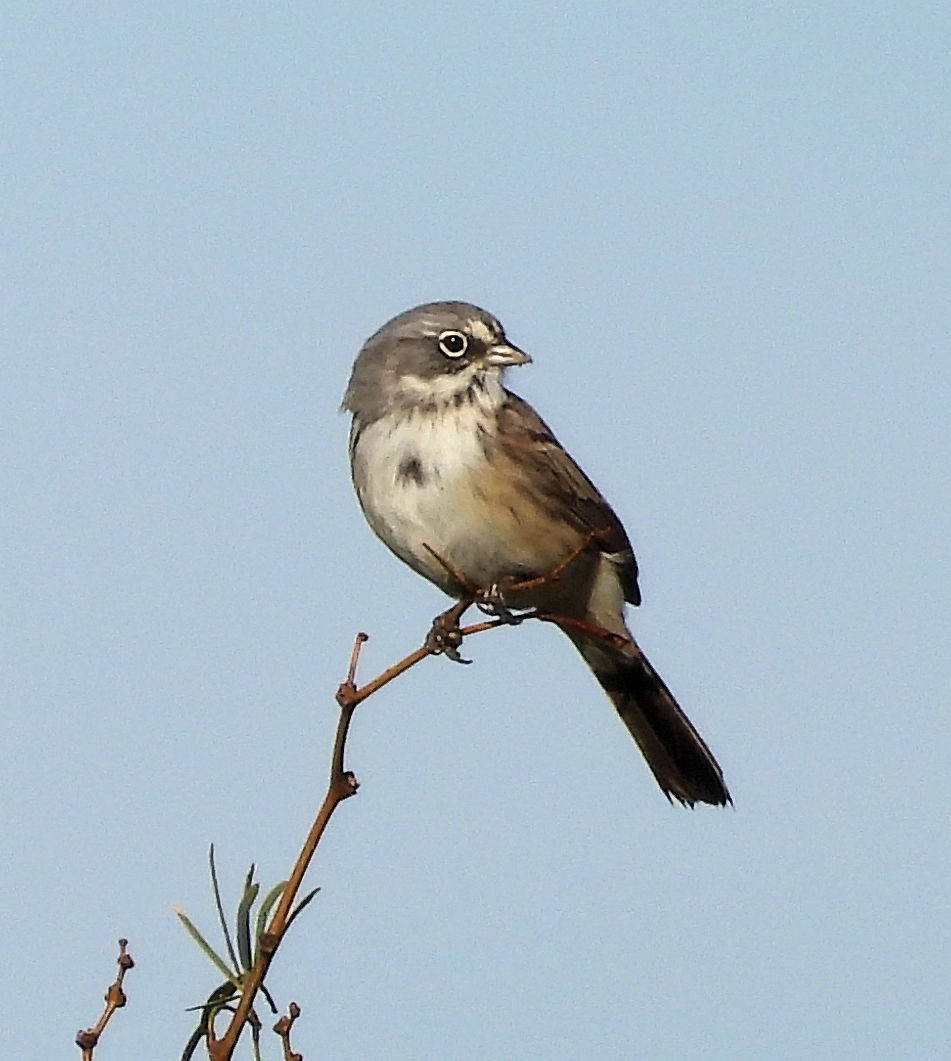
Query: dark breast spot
<point x="410" y="471"/>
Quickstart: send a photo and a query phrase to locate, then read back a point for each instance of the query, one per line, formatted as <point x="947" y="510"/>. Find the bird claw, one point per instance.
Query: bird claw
<point x="445" y="637"/>
<point x="491" y="602"/>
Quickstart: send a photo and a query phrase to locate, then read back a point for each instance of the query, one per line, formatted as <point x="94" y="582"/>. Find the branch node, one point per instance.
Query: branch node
<point x="268" y="942"/>
<point x="284" y="1027"/>
<point x="346" y="785"/>
<point x="346" y="695"/>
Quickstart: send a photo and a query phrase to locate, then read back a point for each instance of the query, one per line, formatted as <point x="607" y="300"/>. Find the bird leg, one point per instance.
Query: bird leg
<point x="445" y="635"/>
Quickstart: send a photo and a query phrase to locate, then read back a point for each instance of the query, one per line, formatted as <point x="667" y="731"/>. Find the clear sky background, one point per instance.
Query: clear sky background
<point x="723" y="233"/>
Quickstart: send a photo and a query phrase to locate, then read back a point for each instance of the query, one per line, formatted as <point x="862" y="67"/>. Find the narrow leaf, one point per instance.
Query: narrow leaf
<point x="300" y="906"/>
<point x="220" y="907"/>
<point x="243" y="920"/>
<point x="210" y="953"/>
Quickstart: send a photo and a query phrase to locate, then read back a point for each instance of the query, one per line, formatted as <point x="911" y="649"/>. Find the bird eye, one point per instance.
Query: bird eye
<point x="453" y="344"/>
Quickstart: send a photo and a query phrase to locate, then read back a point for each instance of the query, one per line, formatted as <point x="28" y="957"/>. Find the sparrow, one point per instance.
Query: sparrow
<point x="466" y="484"/>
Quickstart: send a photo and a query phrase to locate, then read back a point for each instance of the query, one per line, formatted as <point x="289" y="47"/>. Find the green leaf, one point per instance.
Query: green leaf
<point x="216" y="1002"/>
<point x="243" y="920"/>
<point x="220" y="907"/>
<point x="219" y="963"/>
<point x="300" y="906"/>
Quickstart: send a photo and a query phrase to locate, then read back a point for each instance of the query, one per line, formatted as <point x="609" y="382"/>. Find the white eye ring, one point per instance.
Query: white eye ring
<point x="453" y="344"/>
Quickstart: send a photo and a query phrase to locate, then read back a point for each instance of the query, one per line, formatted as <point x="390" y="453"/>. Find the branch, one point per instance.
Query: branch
<point x="284" y="1027"/>
<point x="115" y="999"/>
<point x="342" y="785"/>
<point x="444" y="638"/>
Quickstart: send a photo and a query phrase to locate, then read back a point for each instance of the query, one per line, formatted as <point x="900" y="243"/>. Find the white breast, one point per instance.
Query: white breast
<point x="447" y="446"/>
<point x="431" y="508"/>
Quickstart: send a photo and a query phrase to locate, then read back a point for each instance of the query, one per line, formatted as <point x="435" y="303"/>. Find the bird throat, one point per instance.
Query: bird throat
<point x="477" y="385"/>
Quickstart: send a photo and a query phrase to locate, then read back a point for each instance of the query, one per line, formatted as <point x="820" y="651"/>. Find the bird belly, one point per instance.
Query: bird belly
<point x="431" y="493"/>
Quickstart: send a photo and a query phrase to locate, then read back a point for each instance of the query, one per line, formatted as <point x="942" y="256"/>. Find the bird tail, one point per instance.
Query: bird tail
<point x="676" y="753"/>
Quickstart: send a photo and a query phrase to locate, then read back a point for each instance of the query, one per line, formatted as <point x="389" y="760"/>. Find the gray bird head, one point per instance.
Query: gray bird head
<point x="428" y="356"/>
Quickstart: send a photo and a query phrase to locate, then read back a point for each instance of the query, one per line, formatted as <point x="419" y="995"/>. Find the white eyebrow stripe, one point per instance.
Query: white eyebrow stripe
<point x="478" y="329"/>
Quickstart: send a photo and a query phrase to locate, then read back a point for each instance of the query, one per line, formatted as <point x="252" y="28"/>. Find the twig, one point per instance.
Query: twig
<point x="551" y="577"/>
<point x="342" y="785"/>
<point x="444" y="638"/>
<point x="115" y="999"/>
<point x="566" y="622"/>
<point x="284" y="1027"/>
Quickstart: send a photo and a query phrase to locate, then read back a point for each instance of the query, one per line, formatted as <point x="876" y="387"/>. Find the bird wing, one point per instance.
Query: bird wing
<point x="563" y="488"/>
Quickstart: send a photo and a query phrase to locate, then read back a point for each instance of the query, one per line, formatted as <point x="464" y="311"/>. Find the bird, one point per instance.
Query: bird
<point x="463" y="481"/>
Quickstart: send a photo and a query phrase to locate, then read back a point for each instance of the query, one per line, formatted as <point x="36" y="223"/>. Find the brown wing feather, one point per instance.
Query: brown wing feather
<point x="570" y="494"/>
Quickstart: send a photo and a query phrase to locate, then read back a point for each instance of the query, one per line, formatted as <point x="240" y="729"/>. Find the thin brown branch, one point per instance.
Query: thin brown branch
<point x="284" y="1027"/>
<point x="342" y="785"/>
<point x="551" y="577"/>
<point x="445" y="637"/>
<point x="115" y="998"/>
<point x="470" y="588"/>
<point x="567" y="622"/>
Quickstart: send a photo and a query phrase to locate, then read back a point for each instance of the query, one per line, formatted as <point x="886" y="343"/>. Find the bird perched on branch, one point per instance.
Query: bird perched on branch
<point x="466" y="484"/>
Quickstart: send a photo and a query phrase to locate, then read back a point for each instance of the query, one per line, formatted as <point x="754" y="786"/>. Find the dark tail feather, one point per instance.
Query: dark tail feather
<point x="676" y="753"/>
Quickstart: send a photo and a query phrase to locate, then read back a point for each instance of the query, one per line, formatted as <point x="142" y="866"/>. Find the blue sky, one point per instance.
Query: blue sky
<point x="723" y="233"/>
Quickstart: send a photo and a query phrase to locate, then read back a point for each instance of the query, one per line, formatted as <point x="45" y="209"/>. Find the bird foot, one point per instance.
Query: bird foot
<point x="491" y="602"/>
<point x="445" y="635"/>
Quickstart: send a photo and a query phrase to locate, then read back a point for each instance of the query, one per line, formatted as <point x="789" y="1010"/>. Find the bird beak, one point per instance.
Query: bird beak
<point x="505" y="354"/>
